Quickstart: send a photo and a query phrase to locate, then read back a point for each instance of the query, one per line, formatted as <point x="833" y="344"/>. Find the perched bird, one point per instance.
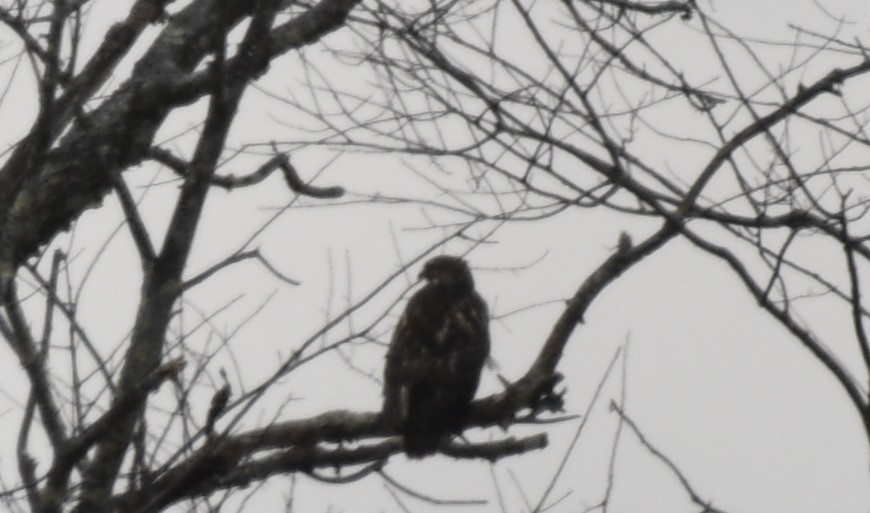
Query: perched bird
<point x="218" y="402"/>
<point x="434" y="362"/>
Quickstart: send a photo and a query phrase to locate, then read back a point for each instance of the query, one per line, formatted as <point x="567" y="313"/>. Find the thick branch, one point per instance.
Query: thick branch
<point x="22" y="165"/>
<point x="35" y="205"/>
<point x="216" y="466"/>
<point x="41" y="194"/>
<point x="612" y="268"/>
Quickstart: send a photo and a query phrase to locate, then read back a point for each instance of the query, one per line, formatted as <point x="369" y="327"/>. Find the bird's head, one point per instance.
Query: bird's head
<point x="448" y="272"/>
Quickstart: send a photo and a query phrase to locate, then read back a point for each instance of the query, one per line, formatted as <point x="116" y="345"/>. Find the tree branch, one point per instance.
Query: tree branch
<point x="216" y="466"/>
<point x="279" y="161"/>
<point x="32" y="361"/>
<point x="239" y="257"/>
<point x="137" y="226"/>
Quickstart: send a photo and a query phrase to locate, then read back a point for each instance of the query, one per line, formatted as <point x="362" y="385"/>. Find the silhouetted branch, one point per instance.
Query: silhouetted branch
<point x="239" y="257"/>
<point x="297" y="185"/>
<point x="22" y="342"/>
<point x="279" y="161"/>
<point x="179" y="166"/>
<point x="496" y="450"/>
<point x="708" y="508"/>
<point x="122" y="407"/>
<point x="684" y="8"/>
<point x="216" y="466"/>
<point x="137" y="226"/>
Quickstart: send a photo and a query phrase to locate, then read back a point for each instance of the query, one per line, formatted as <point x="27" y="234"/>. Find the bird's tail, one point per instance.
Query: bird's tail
<point x="424" y="427"/>
<point x="422" y="443"/>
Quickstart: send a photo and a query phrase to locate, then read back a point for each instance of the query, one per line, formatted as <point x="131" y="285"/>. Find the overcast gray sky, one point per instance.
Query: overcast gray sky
<point x="751" y="419"/>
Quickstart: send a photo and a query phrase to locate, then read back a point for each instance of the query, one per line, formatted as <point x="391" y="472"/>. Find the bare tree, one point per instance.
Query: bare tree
<point x="511" y="112"/>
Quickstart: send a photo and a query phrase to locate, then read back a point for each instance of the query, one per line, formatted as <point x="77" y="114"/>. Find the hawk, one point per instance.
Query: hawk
<point x="434" y="362"/>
